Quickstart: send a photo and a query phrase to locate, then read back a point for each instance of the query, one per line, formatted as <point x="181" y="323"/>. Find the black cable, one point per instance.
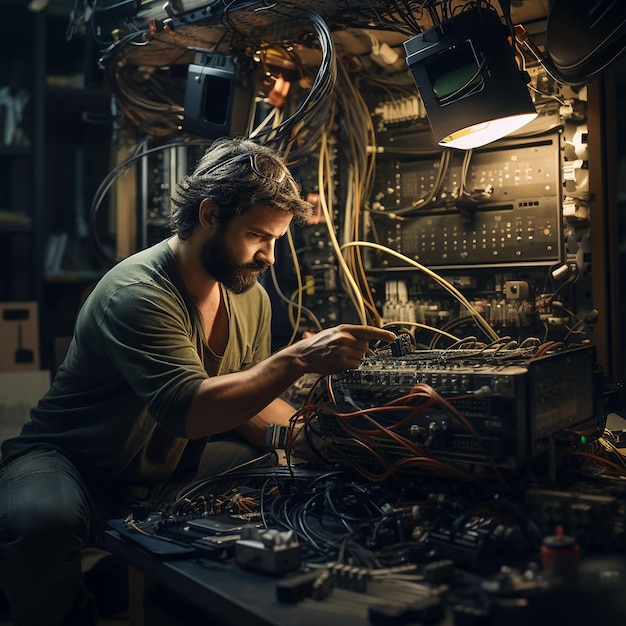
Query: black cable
<point x="106" y="184"/>
<point x="313" y="112"/>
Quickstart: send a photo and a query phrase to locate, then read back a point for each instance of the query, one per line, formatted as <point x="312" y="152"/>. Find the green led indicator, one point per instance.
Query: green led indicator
<point x="583" y="439"/>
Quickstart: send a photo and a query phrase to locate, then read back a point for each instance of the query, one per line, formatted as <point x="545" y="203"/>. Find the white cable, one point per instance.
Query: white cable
<point x="273" y="116"/>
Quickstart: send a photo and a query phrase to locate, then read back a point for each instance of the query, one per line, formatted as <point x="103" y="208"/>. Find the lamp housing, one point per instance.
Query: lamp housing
<point x="467" y="76"/>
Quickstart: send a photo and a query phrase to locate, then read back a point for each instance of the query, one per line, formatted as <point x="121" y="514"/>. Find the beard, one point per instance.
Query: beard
<point x="218" y="262"/>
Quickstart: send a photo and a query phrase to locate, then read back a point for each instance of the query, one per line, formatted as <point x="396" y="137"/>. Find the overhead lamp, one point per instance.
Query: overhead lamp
<point x="467" y="76"/>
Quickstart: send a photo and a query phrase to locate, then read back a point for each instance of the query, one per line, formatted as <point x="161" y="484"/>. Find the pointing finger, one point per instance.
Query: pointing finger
<point x="370" y="332"/>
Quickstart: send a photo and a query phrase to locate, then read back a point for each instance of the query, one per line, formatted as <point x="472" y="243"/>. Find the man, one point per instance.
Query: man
<point x="172" y="346"/>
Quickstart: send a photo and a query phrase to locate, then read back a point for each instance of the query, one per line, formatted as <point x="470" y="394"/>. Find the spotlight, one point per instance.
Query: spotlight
<point x="469" y="81"/>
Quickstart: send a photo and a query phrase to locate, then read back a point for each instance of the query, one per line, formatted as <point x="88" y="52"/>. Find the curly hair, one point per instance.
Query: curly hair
<point x="236" y="174"/>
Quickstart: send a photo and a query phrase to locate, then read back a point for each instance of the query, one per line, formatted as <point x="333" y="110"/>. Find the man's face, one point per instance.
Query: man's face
<point x="238" y="252"/>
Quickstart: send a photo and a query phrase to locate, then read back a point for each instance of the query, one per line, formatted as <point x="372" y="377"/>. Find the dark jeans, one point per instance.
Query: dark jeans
<point x="48" y="514"/>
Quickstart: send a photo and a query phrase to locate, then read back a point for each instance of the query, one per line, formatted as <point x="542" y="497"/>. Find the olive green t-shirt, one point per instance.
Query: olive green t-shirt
<point x="118" y="403"/>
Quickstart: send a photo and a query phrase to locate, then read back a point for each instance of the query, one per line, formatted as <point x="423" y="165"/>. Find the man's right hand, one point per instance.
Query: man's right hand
<point x="338" y="348"/>
<point x="227" y="401"/>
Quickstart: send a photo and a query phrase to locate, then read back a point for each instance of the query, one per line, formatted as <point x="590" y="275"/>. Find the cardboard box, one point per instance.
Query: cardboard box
<point x="19" y="337"/>
<point x="19" y="392"/>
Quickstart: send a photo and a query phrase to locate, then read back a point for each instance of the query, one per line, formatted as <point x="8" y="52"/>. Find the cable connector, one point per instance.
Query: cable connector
<point x="276" y="437"/>
<point x="483" y="392"/>
<point x="382" y="54"/>
<point x="270" y="551"/>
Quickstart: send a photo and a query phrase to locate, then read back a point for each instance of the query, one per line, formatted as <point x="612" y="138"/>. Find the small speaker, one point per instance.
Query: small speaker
<point x="218" y="99"/>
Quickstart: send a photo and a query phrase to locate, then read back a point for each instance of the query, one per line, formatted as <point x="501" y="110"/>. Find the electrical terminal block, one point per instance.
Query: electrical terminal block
<point x="350" y="577"/>
<point x="270" y="551"/>
<point x="360" y="579"/>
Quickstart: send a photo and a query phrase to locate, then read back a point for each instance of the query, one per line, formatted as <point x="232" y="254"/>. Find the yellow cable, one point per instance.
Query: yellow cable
<point x="480" y="321"/>
<point x="357" y="297"/>
<point x="418" y="325"/>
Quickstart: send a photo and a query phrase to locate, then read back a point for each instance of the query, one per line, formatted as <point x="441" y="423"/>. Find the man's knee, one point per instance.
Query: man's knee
<point x="42" y="504"/>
